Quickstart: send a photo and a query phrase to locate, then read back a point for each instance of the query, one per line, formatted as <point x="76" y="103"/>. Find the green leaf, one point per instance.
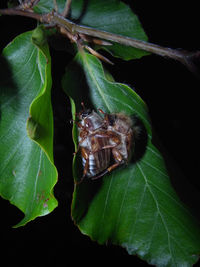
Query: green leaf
<point x="46" y="6"/>
<point x="135" y="206"/>
<point x="109" y="15"/>
<point x="27" y="171"/>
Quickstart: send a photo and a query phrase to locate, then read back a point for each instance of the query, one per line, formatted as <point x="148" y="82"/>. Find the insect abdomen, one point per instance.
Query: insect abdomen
<point x="99" y="160"/>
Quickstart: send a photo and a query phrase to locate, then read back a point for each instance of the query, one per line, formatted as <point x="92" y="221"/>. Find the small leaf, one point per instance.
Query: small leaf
<point x="108" y="15"/>
<point x="46" y="6"/>
<point x="27" y="172"/>
<point x="135" y="206"/>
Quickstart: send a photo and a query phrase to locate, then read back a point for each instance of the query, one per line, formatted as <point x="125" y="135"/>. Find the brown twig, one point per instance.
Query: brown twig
<point x="21" y="12"/>
<point x="53" y="18"/>
<point x="67" y="8"/>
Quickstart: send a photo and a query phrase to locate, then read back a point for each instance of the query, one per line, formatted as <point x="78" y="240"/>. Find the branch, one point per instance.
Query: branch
<point x="20" y="12"/>
<point x="185" y="57"/>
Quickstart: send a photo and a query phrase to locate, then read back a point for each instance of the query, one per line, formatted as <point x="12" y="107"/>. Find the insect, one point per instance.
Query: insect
<point x="121" y="131"/>
<point x="93" y="142"/>
<point x="105" y="143"/>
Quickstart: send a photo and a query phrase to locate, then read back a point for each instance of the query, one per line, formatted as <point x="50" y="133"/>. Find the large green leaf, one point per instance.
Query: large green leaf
<point x="27" y="172"/>
<point x="135" y="206"/>
<point x="108" y="15"/>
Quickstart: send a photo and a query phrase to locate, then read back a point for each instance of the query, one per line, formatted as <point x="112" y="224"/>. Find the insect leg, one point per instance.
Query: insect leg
<point x="78" y="124"/>
<point x="85" y="154"/>
<point x="100" y="175"/>
<point x="79" y="145"/>
<point x="108" y="170"/>
<point x="117" y="156"/>
<point x="119" y="161"/>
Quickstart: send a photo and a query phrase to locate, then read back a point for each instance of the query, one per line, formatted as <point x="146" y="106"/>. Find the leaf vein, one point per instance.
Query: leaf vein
<point x="153" y="167"/>
<point x="16" y="73"/>
<point x="180" y="223"/>
<point x="127" y="105"/>
<point x="154" y="152"/>
<point x="158" y="209"/>
<point x="123" y="200"/>
<point x="153" y="229"/>
<point x="6" y="103"/>
<point x="11" y="155"/>
<point x="105" y="205"/>
<point x="96" y="82"/>
<point x="137" y="214"/>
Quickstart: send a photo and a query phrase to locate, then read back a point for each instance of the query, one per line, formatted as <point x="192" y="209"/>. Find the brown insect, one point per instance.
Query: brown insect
<point x="92" y="143"/>
<point x="105" y="143"/>
<point x="120" y="130"/>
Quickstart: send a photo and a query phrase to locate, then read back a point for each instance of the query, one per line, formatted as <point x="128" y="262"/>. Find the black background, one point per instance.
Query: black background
<point x="172" y="95"/>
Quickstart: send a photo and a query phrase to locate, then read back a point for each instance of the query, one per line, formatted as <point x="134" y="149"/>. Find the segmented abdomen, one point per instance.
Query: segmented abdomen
<point x="100" y="160"/>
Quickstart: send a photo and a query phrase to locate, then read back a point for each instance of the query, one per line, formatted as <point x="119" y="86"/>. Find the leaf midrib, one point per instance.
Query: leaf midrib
<point x="159" y="212"/>
<point x="95" y="81"/>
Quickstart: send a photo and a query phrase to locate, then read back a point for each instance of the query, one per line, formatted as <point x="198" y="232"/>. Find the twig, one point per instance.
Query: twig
<point x="55" y="5"/>
<point x="67" y="8"/>
<point x="21" y="12"/>
<point x="186" y="58"/>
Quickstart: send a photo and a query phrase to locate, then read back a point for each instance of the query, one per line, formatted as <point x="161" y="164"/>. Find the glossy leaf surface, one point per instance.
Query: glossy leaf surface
<point x="27" y="172"/>
<point x="135" y="206"/>
<point x="108" y="15"/>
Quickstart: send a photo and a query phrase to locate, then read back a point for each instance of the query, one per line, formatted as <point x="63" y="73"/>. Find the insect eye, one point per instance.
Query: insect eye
<point x="85" y="113"/>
